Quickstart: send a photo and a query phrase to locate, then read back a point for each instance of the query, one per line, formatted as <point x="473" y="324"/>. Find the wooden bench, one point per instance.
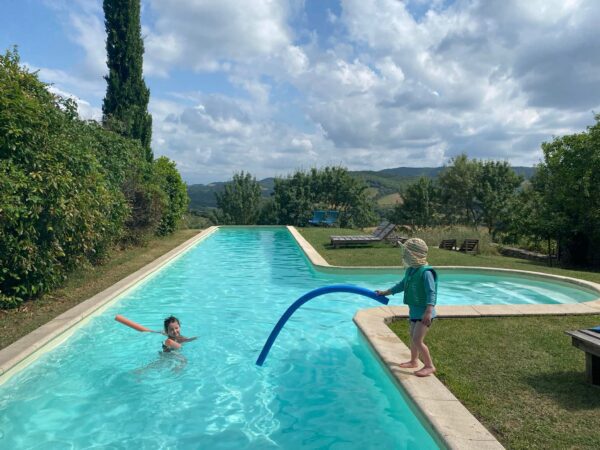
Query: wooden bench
<point x="589" y="342"/>
<point x="384" y="229"/>
<point x="448" y="244"/>
<point x="470" y="246"/>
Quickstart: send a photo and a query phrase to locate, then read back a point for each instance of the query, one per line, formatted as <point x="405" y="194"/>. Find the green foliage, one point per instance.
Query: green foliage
<point x="294" y="197"/>
<point x="332" y="188"/>
<point x="567" y="192"/>
<point x="69" y="190"/>
<point x="338" y="190"/>
<point x="458" y="183"/>
<point x="196" y="220"/>
<point x="125" y="107"/>
<point x="175" y="189"/>
<point x="127" y="169"/>
<point x="496" y="186"/>
<point x="268" y="212"/>
<point x="58" y="207"/>
<point x="468" y="192"/>
<point x="239" y="202"/>
<point x="420" y="206"/>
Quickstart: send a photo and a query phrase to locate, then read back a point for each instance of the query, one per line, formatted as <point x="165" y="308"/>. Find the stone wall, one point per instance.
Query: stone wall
<point x="526" y="254"/>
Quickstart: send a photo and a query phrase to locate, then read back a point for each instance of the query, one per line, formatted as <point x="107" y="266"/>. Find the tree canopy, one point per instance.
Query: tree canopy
<point x="240" y="200"/>
<point x="125" y="106"/>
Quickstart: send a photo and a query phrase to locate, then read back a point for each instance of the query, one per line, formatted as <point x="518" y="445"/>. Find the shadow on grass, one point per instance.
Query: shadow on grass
<point x="569" y="389"/>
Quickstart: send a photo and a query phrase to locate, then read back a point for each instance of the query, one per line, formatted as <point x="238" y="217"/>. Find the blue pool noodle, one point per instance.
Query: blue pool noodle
<point x="349" y="288"/>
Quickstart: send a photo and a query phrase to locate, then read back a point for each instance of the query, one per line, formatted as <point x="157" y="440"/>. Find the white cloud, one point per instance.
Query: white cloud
<point x="202" y="35"/>
<point x="85" y="109"/>
<point x="89" y="33"/>
<point x="389" y="83"/>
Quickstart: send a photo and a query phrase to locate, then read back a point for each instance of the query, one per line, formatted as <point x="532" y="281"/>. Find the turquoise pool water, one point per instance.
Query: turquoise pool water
<point x="108" y="386"/>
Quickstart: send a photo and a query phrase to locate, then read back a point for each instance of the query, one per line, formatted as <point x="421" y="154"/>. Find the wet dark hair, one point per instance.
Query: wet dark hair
<point x="169" y="320"/>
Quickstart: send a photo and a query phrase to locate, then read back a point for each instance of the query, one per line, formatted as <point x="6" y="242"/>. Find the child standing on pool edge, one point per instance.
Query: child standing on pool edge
<point x="420" y="294"/>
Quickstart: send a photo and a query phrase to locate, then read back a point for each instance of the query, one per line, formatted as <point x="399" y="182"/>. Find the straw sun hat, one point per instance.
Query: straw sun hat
<point x="415" y="252"/>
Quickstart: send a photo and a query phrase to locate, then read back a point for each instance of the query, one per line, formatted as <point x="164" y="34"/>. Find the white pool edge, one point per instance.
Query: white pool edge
<point x="24" y="351"/>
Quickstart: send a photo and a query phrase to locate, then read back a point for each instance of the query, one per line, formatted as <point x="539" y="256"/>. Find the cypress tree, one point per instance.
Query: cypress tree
<point x="125" y="106"/>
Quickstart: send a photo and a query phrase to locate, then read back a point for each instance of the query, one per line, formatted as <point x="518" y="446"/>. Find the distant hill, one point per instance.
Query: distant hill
<point x="383" y="184"/>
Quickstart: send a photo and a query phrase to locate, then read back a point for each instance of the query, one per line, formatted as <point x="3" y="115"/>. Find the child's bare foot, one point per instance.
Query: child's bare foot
<point x="409" y="364"/>
<point x="425" y="372"/>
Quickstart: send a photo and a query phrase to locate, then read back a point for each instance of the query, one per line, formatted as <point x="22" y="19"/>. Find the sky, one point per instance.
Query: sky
<point x="274" y="86"/>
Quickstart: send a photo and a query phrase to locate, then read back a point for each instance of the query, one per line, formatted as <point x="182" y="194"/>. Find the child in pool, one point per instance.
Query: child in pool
<point x="173" y="332"/>
<point x="420" y="294"/>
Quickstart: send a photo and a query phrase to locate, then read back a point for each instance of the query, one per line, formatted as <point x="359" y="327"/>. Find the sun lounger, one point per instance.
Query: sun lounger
<point x="470" y="246"/>
<point x="380" y="233"/>
<point x="448" y="244"/>
<point x="396" y="239"/>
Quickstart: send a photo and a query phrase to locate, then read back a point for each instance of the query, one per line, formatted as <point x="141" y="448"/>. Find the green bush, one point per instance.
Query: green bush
<point x="170" y="182"/>
<point x="57" y="206"/>
<point x="69" y="189"/>
<point x="127" y="170"/>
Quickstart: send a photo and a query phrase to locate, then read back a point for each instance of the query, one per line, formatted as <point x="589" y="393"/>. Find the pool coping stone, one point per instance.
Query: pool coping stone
<point x="454" y="424"/>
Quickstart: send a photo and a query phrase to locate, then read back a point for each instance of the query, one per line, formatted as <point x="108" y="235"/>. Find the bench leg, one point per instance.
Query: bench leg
<point x="592" y="368"/>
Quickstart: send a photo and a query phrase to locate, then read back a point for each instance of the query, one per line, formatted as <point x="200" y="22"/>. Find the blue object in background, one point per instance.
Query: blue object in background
<point x="331" y="218"/>
<point x="318" y="217"/>
<point x="349" y="288"/>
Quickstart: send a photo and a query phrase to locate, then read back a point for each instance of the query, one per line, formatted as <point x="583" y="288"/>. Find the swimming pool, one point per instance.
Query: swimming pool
<point x="107" y="386"/>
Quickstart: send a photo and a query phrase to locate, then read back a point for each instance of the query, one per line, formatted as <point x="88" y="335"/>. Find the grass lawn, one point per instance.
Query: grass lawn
<point x="520" y="376"/>
<point x="384" y="254"/>
<point x="83" y="284"/>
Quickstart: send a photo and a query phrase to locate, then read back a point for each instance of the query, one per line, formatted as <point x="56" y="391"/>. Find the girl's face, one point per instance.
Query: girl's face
<point x="173" y="329"/>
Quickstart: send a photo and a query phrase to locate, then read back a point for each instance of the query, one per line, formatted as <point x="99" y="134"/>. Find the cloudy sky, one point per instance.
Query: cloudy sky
<point x="271" y="86"/>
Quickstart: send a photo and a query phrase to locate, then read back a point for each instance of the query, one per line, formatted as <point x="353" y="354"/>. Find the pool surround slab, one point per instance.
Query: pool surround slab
<point x="22" y="352"/>
<point x="454" y="424"/>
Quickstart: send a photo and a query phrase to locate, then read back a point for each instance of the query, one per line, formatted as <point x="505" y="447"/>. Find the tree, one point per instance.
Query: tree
<point x="177" y="198"/>
<point x="329" y="188"/>
<point x="294" y="198"/>
<point x="458" y="182"/>
<point x="420" y="204"/>
<point x="336" y="189"/>
<point x="125" y="106"/>
<point x="240" y="201"/>
<point x="568" y="182"/>
<point x="495" y="187"/>
<point x="528" y="216"/>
